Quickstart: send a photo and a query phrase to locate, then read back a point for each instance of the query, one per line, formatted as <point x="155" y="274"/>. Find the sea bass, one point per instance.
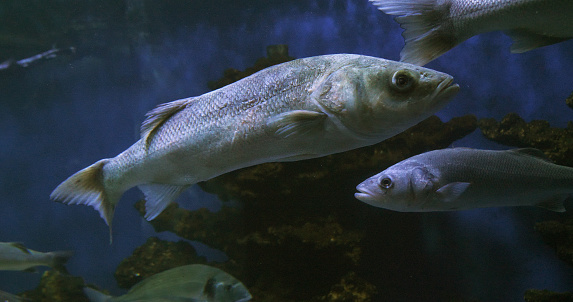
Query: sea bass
<point x="432" y="27"/>
<point x="462" y="178"/>
<point x="16" y="257"/>
<point x="297" y="110"/>
<point x="195" y="282"/>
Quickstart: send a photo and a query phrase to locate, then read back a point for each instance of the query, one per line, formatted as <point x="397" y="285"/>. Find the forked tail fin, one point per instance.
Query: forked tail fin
<point x="87" y="187"/>
<point x="428" y="30"/>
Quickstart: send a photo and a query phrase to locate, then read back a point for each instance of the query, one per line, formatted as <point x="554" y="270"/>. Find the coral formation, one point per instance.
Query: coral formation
<point x="569" y="101"/>
<point x="556" y="143"/>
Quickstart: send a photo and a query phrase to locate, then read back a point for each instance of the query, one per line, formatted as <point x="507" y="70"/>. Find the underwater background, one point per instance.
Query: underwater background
<point x="62" y="114"/>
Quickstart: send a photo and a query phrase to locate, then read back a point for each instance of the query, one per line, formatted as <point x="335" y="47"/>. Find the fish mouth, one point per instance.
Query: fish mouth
<point x="446" y="90"/>
<point x="365" y="195"/>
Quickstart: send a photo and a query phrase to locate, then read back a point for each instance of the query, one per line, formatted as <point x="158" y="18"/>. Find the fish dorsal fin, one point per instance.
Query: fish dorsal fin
<point x="525" y="40"/>
<point x="159" y="115"/>
<point x="20" y="246"/>
<point x="296" y="122"/>
<point x="451" y="191"/>
<point x="531" y="152"/>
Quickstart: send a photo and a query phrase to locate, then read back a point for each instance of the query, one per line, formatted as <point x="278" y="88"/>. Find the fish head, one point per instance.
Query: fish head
<point x="224" y="287"/>
<point x="404" y="187"/>
<point x="377" y="98"/>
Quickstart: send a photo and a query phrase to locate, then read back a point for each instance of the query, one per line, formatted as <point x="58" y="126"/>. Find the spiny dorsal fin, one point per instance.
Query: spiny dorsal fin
<point x="532" y="152"/>
<point x="156" y="117"/>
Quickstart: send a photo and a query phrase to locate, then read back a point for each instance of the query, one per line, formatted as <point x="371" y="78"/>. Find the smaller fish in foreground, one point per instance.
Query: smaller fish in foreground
<point x="463" y="178"/>
<point x="432" y="27"/>
<point x="16" y="257"/>
<point x="195" y="282"/>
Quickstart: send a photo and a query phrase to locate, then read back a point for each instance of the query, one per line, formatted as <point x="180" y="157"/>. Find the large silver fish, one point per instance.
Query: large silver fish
<point x="196" y="282"/>
<point x="297" y="110"/>
<point x="462" y="178"/>
<point x="432" y="27"/>
<point x="16" y="257"/>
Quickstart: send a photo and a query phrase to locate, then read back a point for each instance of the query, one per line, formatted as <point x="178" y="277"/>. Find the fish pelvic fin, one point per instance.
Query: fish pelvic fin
<point x="158" y="116"/>
<point x="158" y="197"/>
<point x="428" y="31"/>
<point x="59" y="259"/>
<point x="87" y="187"/>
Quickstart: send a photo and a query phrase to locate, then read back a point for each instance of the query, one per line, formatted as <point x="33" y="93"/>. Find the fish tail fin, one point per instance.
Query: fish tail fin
<point x="158" y="197"/>
<point x="87" y="187"/>
<point x="59" y="259"/>
<point x="428" y="32"/>
<point x="95" y="296"/>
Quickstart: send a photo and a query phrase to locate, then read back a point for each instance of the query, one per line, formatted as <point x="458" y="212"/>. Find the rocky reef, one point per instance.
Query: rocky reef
<point x="55" y="286"/>
<point x="569" y="101"/>
<point x="512" y="130"/>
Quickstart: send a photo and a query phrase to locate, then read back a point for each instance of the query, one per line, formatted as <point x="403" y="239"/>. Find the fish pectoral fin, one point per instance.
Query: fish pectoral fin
<point x="524" y="40"/>
<point x="451" y="191"/>
<point x="555" y="203"/>
<point x="296" y="122"/>
<point x="158" y="197"/>
<point x="158" y="116"/>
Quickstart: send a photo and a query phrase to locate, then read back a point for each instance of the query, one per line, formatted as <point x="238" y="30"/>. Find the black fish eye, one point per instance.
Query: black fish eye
<point x="403" y="80"/>
<point x="385" y="183"/>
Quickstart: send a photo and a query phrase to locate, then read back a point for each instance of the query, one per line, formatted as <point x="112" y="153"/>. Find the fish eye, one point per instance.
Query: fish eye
<point x="385" y="183"/>
<point x="403" y="80"/>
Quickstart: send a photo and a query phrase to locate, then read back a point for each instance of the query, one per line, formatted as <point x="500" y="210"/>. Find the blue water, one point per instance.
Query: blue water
<point x="61" y="116"/>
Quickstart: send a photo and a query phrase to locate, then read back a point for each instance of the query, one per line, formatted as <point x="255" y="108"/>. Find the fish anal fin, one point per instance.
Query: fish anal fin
<point x="158" y="197"/>
<point x="554" y="203"/>
<point x="296" y="122"/>
<point x="452" y="191"/>
<point x="158" y="116"/>
<point x="525" y="40"/>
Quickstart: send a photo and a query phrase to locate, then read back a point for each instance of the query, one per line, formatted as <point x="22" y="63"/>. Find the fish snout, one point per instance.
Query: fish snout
<point x="446" y="89"/>
<point x="366" y="194"/>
